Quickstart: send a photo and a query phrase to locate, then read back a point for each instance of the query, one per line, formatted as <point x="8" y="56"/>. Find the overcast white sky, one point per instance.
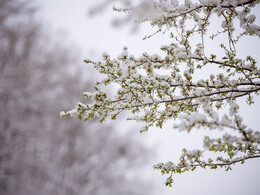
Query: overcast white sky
<point x="96" y="35"/>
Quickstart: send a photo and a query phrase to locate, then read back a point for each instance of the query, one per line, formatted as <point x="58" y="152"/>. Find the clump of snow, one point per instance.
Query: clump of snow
<point x="198" y="117"/>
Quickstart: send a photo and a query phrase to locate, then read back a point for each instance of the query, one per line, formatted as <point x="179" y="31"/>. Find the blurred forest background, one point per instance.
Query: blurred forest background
<point x="39" y="152"/>
<point x="42" y="73"/>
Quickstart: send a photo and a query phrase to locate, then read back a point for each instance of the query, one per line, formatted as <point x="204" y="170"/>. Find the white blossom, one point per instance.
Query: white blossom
<point x="178" y="95"/>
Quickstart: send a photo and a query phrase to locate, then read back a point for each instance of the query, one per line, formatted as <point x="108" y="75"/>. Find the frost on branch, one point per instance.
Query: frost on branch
<point x="178" y="95"/>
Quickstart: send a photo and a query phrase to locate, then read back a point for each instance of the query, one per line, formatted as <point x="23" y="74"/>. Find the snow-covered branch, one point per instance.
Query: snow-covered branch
<point x="171" y="88"/>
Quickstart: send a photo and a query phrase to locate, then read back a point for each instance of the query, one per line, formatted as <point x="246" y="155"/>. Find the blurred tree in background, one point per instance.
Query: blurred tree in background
<point x="39" y="153"/>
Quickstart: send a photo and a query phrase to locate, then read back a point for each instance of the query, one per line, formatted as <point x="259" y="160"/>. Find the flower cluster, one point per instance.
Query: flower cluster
<point x="158" y="89"/>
